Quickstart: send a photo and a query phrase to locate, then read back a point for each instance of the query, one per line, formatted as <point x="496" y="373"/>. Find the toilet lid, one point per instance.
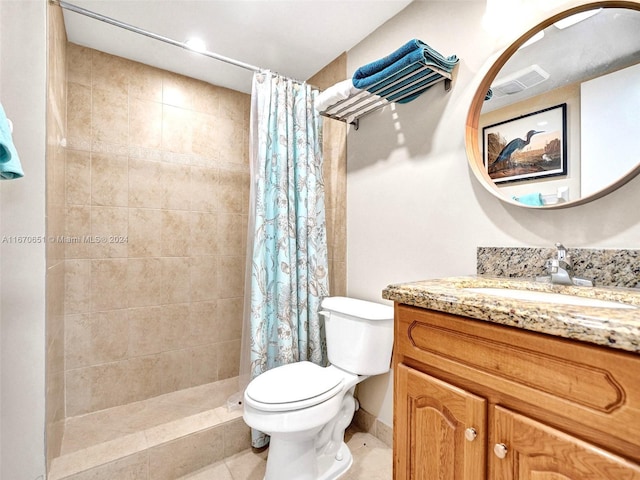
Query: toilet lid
<point x="294" y="383"/>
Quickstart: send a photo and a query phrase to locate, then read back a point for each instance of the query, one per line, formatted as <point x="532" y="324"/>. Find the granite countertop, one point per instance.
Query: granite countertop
<point x="610" y="327"/>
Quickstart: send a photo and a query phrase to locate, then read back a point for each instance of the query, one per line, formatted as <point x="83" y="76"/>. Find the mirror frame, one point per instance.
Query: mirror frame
<point x="472" y="146"/>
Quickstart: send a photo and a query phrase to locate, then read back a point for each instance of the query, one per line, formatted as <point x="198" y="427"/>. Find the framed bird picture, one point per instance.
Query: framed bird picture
<point x="528" y="147"/>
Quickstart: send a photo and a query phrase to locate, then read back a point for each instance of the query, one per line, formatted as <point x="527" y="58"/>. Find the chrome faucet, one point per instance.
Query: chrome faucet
<point x="560" y="269"/>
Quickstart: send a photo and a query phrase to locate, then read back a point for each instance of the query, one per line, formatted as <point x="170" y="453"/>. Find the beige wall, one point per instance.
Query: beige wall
<point x="334" y="149"/>
<point x="409" y="166"/>
<point x="157" y="165"/>
<point x="161" y="160"/>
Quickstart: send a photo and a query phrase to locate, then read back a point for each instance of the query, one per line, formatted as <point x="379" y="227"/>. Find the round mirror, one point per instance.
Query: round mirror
<point x="556" y="120"/>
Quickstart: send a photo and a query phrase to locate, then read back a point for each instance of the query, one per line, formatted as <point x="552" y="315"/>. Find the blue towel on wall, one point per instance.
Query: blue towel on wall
<point x="533" y="199"/>
<point x="412" y="56"/>
<point x="10" y="166"/>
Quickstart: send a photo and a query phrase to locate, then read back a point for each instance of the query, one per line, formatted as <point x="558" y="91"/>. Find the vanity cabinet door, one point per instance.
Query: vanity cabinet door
<point x="524" y="449"/>
<point x="440" y="429"/>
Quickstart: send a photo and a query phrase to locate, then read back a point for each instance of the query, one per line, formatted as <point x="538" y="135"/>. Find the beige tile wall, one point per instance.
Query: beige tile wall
<point x="335" y="179"/>
<point x="157" y="165"/>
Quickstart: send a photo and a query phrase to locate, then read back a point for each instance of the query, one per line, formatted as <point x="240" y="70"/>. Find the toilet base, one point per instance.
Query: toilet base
<point x="329" y="467"/>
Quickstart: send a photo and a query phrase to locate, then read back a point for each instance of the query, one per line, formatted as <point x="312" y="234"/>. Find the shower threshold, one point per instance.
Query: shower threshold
<point x="162" y="437"/>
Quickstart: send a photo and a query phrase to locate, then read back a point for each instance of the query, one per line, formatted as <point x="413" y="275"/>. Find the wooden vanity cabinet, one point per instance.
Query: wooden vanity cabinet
<point x="475" y="400"/>
<point x="431" y="420"/>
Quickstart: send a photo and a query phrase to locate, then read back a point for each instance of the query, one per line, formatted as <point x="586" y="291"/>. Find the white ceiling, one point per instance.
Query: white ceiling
<point x="598" y="45"/>
<point x="293" y="37"/>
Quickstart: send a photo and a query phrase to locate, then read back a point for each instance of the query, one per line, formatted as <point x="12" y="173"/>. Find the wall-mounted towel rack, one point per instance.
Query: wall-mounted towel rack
<point x="410" y="82"/>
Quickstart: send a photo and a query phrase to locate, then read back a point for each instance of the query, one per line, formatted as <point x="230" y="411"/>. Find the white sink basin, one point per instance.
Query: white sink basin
<point x="548" y="297"/>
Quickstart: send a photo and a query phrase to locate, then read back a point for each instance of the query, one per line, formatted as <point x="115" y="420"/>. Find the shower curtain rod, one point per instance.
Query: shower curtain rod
<point x="155" y="36"/>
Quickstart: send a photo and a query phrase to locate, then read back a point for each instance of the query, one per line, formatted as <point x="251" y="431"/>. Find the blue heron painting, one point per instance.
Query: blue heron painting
<point x="515" y="145"/>
<point x="526" y="147"/>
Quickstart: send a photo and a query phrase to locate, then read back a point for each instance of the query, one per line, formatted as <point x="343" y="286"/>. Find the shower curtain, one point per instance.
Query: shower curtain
<point x="287" y="266"/>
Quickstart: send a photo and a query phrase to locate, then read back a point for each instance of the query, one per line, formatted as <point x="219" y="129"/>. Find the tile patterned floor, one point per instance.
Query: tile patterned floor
<point x="372" y="460"/>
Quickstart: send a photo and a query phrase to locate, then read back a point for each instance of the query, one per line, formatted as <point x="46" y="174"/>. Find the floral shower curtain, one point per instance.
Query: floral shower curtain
<point x="287" y="266"/>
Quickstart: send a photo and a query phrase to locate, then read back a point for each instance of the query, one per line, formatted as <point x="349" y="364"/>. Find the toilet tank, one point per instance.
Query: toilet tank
<point x="359" y="334"/>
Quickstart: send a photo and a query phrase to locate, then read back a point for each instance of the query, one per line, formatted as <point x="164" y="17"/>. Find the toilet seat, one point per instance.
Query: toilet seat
<point x="293" y="387"/>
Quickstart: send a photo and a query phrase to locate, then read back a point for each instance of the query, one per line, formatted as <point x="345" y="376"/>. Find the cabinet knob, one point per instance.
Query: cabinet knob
<point x="470" y="434"/>
<point x="500" y="449"/>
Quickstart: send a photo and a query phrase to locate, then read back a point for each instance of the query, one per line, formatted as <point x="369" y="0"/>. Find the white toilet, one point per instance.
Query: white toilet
<point x="306" y="408"/>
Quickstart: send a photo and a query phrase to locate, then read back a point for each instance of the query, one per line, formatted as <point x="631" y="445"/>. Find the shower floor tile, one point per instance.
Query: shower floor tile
<point x="372" y="460"/>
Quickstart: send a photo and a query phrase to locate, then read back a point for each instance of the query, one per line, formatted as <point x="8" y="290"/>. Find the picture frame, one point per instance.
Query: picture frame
<point x="528" y="147"/>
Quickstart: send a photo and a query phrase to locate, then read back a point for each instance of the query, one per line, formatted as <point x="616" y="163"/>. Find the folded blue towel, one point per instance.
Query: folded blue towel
<point x="412" y="56"/>
<point x="533" y="199"/>
<point x="10" y="166"/>
<point x="382" y="63"/>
